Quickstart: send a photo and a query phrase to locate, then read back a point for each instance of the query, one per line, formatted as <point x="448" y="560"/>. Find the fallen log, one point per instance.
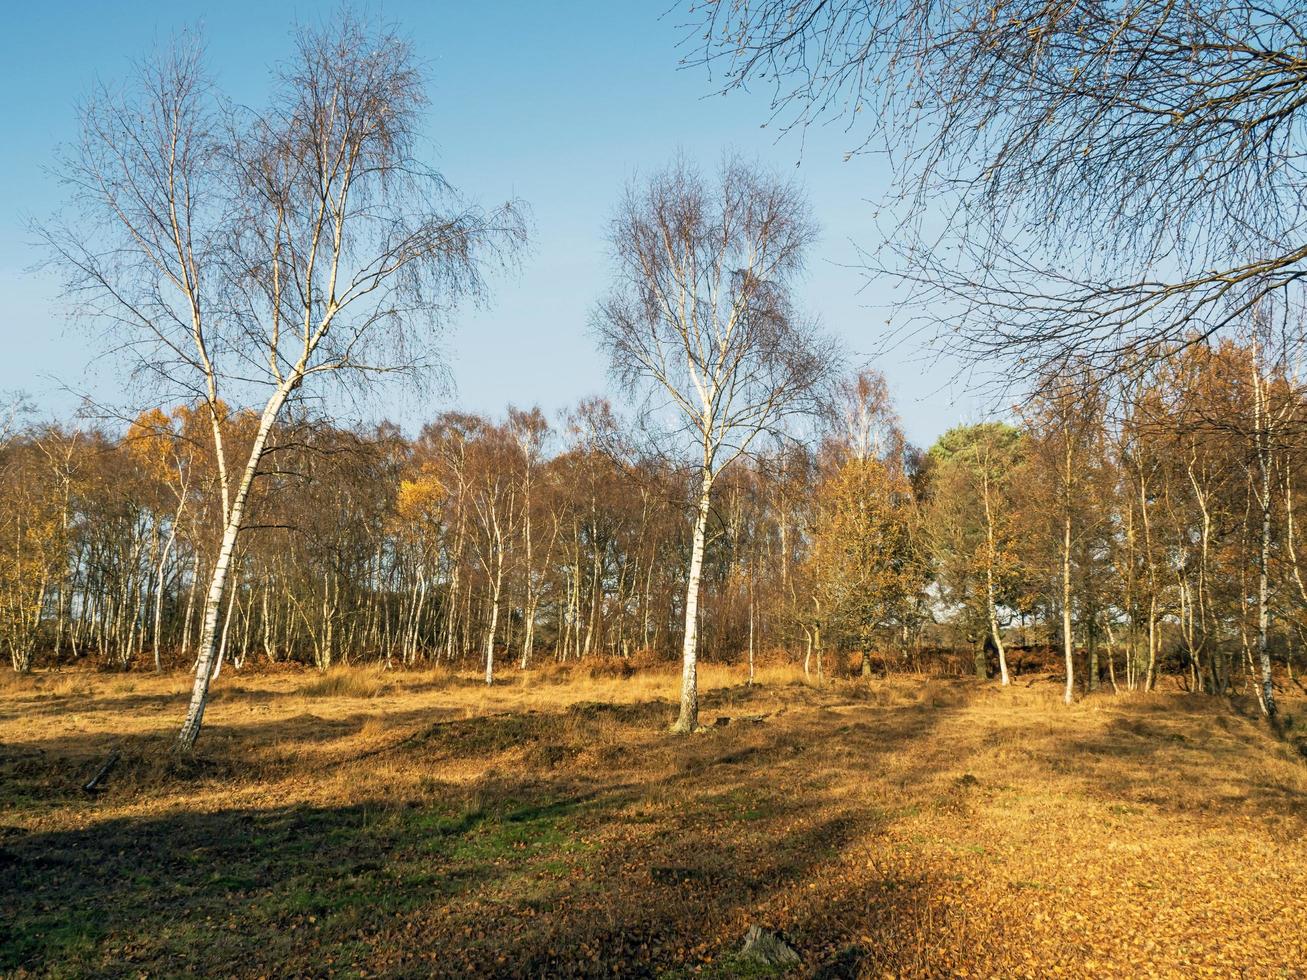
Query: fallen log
<point x="94" y="785"/>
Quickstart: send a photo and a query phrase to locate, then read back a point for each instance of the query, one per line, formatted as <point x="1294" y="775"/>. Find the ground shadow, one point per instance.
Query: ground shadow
<point x="579" y="864"/>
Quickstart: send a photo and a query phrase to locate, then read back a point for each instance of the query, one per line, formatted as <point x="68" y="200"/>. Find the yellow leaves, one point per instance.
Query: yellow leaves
<point x="162" y="443"/>
<point x="419" y="499"/>
<point x="152" y="441"/>
<point x="861" y="547"/>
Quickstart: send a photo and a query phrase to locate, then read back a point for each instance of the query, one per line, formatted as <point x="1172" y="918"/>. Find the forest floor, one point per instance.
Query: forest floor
<point x="420" y="825"/>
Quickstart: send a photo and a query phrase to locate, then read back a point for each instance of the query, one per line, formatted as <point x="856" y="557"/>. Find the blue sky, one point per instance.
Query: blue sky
<point x="559" y="104"/>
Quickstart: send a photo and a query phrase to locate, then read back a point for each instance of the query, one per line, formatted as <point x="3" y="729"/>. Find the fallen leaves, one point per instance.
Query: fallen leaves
<point x="909" y="837"/>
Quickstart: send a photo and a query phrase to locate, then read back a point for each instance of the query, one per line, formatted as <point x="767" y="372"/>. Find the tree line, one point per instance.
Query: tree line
<point x="1142" y="529"/>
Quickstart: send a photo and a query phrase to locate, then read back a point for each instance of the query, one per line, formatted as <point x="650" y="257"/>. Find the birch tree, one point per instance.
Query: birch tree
<point x="530" y="431"/>
<point x="1065" y="428"/>
<point x="1068" y="179"/>
<point x="701" y="316"/>
<point x="242" y="255"/>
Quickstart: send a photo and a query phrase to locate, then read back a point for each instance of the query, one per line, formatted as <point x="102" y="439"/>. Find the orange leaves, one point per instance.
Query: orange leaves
<point x="419" y="498"/>
<point x="152" y="441"/>
<point x="909" y="838"/>
<point x="861" y="562"/>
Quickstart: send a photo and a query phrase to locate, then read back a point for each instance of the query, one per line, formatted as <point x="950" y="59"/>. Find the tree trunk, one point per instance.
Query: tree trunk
<point x="991" y="593"/>
<point x="1093" y="657"/>
<point x="1263" y="611"/>
<point x="688" y="720"/>
<point x="751" y="631"/>
<point x="1066" y="610"/>
<point x="158" y="593"/>
<point x="1111" y="664"/>
<point x="490" y="632"/>
<point x="190" y="730"/>
<point x="1150" y="674"/>
<point x="528" y="638"/>
<point x="1261" y="419"/>
<point x="226" y="628"/>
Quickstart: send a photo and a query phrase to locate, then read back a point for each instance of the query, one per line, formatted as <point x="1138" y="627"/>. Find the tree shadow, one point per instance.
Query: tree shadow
<point x="648" y="859"/>
<point x="1199" y="742"/>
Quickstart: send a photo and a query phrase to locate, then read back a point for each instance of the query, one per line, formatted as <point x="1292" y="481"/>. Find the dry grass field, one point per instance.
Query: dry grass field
<point x="421" y="825"/>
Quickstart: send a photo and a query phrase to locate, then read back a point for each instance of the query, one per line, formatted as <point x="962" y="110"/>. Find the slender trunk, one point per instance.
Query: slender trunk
<point x="648" y="603"/>
<point x="529" y="599"/>
<point x="1203" y="562"/>
<point x="494" y="624"/>
<point x="1264" y="551"/>
<point x="1263" y="593"/>
<point x="158" y="594"/>
<point x="190" y="603"/>
<point x="1091" y="641"/>
<point x="490" y="642"/>
<point x="408" y="624"/>
<point x="1131" y="600"/>
<point x="751" y="631"/>
<point x="226" y="629"/>
<point x="190" y="730"/>
<point x="592" y="592"/>
<point x="1111" y="666"/>
<point x="415" y="646"/>
<point x="991" y="592"/>
<point x="269" y="650"/>
<point x="1069" y="695"/>
<point x="529" y="631"/>
<point x="688" y="720"/>
<point x="1150" y="675"/>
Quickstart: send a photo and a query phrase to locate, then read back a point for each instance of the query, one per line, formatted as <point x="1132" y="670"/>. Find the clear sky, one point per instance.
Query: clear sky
<point x="558" y="104"/>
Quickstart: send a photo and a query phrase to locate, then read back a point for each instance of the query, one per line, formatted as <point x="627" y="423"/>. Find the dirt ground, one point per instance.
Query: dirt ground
<point x="419" y="824"/>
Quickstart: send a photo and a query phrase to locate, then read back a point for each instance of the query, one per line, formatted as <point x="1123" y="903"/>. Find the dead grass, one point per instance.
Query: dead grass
<point x="422" y="824"/>
<point x="346" y="682"/>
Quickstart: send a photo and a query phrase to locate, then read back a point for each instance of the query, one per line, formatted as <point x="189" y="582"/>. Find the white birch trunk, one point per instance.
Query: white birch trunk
<point x="688" y="720"/>
<point x="208" y="646"/>
<point x="498" y="541"/>
<point x="991" y="605"/>
<point x="1069" y="696"/>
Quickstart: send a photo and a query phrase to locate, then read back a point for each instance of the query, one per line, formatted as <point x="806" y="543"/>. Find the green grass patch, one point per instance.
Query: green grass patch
<point x="62" y="937"/>
<point x="334" y="874"/>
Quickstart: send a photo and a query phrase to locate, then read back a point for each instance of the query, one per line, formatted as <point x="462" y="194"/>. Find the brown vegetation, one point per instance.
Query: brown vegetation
<point x="423" y="824"/>
<point x="478" y="779"/>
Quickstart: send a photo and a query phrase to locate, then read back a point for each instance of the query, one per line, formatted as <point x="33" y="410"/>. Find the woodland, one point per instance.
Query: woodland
<point x="501" y="544"/>
<point x="716" y="674"/>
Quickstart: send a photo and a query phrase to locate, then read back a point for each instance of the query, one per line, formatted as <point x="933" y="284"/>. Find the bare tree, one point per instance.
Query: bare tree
<point x="701" y="316"/>
<point x="1112" y="180"/>
<point x="864" y="423"/>
<point x="530" y="430"/>
<point x="241" y="254"/>
<point x="13" y="407"/>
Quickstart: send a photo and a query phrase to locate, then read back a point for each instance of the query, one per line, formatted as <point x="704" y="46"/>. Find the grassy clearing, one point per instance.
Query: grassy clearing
<point x="346" y="682"/>
<point x="420" y="824"/>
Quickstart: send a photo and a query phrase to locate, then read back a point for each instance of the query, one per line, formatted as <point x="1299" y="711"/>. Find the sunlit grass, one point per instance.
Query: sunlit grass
<point x="368" y="820"/>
